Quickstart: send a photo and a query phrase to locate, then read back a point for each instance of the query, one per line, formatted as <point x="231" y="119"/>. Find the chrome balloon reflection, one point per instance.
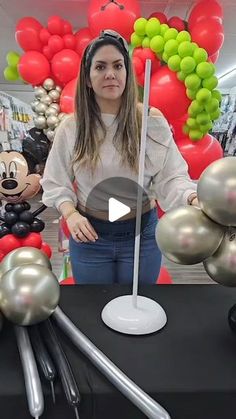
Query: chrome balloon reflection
<point x="29" y="294"/>
<point x="186" y="236"/>
<point x="221" y="266"/>
<point x="22" y="256"/>
<point x="217" y="191"/>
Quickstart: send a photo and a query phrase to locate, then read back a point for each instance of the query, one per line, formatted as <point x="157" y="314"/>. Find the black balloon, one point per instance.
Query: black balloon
<point x="9" y="207"/>
<point x="4" y="230"/>
<point x="11" y="218"/>
<point x="26" y="205"/>
<point x="232" y="318"/>
<point x="20" y="229"/>
<point x="18" y="208"/>
<point x="37" y="225"/>
<point x="26" y="216"/>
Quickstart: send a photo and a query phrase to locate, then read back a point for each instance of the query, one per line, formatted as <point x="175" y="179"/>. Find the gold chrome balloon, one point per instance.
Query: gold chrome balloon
<point x="185" y="235"/>
<point x="22" y="256"/>
<point x="217" y="191"/>
<point x="29" y="294"/>
<point x="221" y="266"/>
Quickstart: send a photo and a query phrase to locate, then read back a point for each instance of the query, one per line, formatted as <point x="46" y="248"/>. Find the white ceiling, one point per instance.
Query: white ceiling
<point x="76" y="12"/>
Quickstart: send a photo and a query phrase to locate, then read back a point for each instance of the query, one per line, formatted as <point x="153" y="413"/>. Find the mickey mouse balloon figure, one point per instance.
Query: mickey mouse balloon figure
<point x="19" y="226"/>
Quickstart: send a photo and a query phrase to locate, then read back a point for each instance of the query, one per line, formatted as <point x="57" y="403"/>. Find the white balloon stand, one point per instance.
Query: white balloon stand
<point x="135" y="314"/>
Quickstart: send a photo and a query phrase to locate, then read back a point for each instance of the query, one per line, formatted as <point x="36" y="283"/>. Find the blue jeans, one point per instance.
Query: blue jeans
<point x="110" y="259"/>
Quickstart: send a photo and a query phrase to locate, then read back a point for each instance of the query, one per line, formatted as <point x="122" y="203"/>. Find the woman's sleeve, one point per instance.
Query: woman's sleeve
<point x="171" y="184"/>
<point x="57" y="181"/>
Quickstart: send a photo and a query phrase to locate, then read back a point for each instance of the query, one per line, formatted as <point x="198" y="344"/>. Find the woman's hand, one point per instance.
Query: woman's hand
<point x="195" y="203"/>
<point x="80" y="228"/>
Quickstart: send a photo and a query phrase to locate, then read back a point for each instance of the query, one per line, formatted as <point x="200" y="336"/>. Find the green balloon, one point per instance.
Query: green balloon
<point x="203" y="95"/>
<point x="203" y="118"/>
<point x="146" y="42"/>
<point x="171" y="47"/>
<point x="12" y="58"/>
<point x="183" y="36"/>
<point x="217" y="95"/>
<point x="165" y="57"/>
<point x="139" y="26"/>
<point x="212" y="105"/>
<point x="195" y="134"/>
<point x="185" y="49"/>
<point x="152" y="27"/>
<point x="205" y="128"/>
<point x="181" y="75"/>
<point x="185" y="129"/>
<point x="187" y="65"/>
<point x="163" y="28"/>
<point x="196" y="107"/>
<point x="215" y="115"/>
<point x="157" y="44"/>
<point x="200" y="55"/>
<point x="131" y="49"/>
<point x="204" y="70"/>
<point x="191" y="94"/>
<point x="11" y="74"/>
<point x="174" y="62"/>
<point x="192" y="81"/>
<point x="136" y="40"/>
<point x="192" y="123"/>
<point x="170" y="34"/>
<point x="210" y="83"/>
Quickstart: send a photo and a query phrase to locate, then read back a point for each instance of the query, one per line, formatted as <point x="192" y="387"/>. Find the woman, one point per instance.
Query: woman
<point x="99" y="144"/>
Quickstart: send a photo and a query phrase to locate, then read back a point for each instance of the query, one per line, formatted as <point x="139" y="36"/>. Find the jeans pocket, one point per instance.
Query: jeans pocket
<point x="148" y="232"/>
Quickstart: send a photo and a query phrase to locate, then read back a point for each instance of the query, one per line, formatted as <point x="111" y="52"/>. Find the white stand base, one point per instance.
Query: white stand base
<point x="121" y="315"/>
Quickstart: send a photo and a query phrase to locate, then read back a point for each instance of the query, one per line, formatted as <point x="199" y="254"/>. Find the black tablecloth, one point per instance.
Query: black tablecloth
<point x="189" y="366"/>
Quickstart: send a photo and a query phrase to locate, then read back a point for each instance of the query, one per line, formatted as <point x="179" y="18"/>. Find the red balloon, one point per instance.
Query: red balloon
<point x="65" y="65"/>
<point x="83" y="38"/>
<point x="67" y="97"/>
<point x="55" y="43"/>
<point x="67" y="27"/>
<point x="1" y="256"/>
<point x="68" y="281"/>
<point x="164" y="276"/>
<point x="177" y="23"/>
<point x="160" y="16"/>
<point x="208" y="34"/>
<point x="213" y="58"/>
<point x="32" y="240"/>
<point x="47" y="52"/>
<point x="69" y="41"/>
<point x="177" y="128"/>
<point x="33" y="67"/>
<point x="46" y="249"/>
<point x="138" y="65"/>
<point x="204" y="10"/>
<point x="113" y="16"/>
<point x="160" y="212"/>
<point x="44" y="36"/>
<point x="168" y="94"/>
<point x="200" y="154"/>
<point x="28" y="39"/>
<point x="56" y="25"/>
<point x="28" y="23"/>
<point x="9" y="243"/>
<point x="140" y="79"/>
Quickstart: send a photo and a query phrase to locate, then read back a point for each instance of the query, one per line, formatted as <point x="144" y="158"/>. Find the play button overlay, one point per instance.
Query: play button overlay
<point x="115" y="198"/>
<point x="117" y="210"/>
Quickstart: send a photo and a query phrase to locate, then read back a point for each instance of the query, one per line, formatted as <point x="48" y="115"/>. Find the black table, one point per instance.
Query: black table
<point x="189" y="367"/>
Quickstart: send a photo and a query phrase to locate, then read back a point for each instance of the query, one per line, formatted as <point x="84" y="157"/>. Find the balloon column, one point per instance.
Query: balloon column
<point x="19" y="226"/>
<point x="207" y="234"/>
<point x="186" y="82"/>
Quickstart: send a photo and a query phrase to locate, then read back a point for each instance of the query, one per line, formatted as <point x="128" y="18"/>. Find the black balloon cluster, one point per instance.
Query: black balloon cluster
<point x="20" y="221"/>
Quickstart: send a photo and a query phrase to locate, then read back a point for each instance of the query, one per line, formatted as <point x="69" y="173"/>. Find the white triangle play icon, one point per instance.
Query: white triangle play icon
<point x="117" y="209"/>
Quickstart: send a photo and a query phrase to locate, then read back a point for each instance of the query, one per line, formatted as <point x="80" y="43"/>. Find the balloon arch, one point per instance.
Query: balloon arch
<point x="183" y="54"/>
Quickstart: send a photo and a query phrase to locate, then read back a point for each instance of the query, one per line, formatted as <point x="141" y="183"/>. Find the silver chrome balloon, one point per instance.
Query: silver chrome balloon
<point x="58" y="88"/>
<point x="54" y="95"/>
<point x="29" y="294"/>
<point x="31" y="376"/>
<point x="135" y="394"/>
<point x="22" y="256"/>
<point x="39" y="92"/>
<point x="52" y="121"/>
<point x="46" y="99"/>
<point x="217" y="191"/>
<point x="40" y="122"/>
<point x="51" y="111"/>
<point x="56" y="106"/>
<point x="50" y="134"/>
<point x="186" y="236"/>
<point x="221" y="266"/>
<point x="41" y="108"/>
<point x="61" y="116"/>
<point x="34" y="104"/>
<point x="49" y="84"/>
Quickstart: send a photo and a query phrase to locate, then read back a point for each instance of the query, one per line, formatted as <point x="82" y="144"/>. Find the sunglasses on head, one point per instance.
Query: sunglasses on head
<point x="108" y="33"/>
